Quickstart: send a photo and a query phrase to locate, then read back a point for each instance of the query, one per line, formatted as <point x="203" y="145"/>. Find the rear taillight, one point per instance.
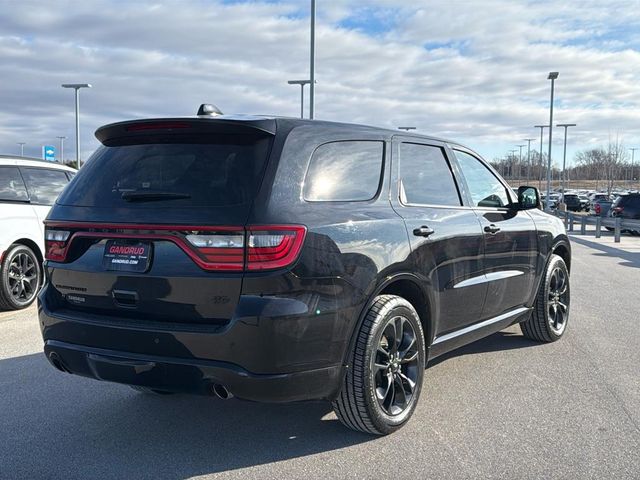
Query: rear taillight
<point x="597" y="208"/>
<point x="262" y="247"/>
<point x="273" y="247"/>
<point x="219" y="250"/>
<point x="56" y="244"/>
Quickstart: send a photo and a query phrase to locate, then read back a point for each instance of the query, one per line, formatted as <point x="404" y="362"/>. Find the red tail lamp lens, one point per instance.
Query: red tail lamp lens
<point x="273" y="247"/>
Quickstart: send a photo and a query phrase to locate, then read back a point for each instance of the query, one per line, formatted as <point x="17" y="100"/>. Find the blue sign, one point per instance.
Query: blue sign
<point x="49" y="153"/>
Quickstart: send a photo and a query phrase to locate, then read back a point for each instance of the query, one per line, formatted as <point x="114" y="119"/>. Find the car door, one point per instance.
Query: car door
<point x="16" y="214"/>
<point x="510" y="239"/>
<point x="44" y="186"/>
<point x="445" y="236"/>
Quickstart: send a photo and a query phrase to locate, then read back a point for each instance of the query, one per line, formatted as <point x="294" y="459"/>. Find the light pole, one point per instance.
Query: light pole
<point x="528" y="140"/>
<point x="511" y="159"/>
<point x="77" y="87"/>
<point x="312" y="62"/>
<point x="520" y="161"/>
<point x="22" y="144"/>
<point x="406" y="129"/>
<point x="564" y="155"/>
<point x="61" y="147"/>
<point x="552" y="76"/>
<point x="633" y="155"/>
<point x="541" y="127"/>
<point x="302" y="83"/>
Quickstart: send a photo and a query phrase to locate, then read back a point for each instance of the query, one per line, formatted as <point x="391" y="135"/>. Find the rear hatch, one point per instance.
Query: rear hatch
<point x="152" y="229"/>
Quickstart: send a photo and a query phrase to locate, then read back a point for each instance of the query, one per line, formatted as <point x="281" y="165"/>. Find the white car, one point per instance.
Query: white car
<point x="28" y="188"/>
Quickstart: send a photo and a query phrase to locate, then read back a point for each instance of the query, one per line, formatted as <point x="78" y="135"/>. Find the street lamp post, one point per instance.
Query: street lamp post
<point x="511" y="159"/>
<point x="22" y="144"/>
<point x="520" y="161"/>
<point x="552" y="76"/>
<point x="529" y="140"/>
<point x="633" y="154"/>
<point x="302" y="83"/>
<point x="77" y="87"/>
<point x="61" y="147"/>
<point x="541" y="127"/>
<point x="312" y="62"/>
<point x="564" y="154"/>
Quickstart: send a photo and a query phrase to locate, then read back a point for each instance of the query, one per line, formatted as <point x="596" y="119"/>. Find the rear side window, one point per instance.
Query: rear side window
<point x="485" y="189"/>
<point x="344" y="171"/>
<point x="12" y="188"/>
<point x="222" y="171"/>
<point x="426" y="176"/>
<point x="44" y="185"/>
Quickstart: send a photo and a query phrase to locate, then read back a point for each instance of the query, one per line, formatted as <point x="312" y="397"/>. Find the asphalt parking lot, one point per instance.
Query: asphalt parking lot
<point x="503" y="407"/>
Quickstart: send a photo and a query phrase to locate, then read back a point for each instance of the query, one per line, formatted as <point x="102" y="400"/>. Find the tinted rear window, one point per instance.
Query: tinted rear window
<point x="344" y="171"/>
<point x="12" y="187"/>
<point x="215" y="171"/>
<point x="44" y="184"/>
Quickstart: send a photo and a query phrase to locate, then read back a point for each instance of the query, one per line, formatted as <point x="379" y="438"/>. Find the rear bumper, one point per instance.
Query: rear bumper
<point x="197" y="377"/>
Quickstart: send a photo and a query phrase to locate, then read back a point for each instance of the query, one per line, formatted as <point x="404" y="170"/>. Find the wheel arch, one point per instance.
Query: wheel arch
<point x="407" y="286"/>
<point x="33" y="246"/>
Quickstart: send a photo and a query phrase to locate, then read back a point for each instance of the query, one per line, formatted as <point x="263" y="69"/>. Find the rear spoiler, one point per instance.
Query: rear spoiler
<point x="115" y="133"/>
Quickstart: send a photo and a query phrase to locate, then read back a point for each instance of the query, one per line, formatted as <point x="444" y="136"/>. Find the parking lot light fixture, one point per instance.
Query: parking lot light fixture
<point x="541" y="127"/>
<point x="633" y="154"/>
<point x="564" y="154"/>
<point x="61" y="138"/>
<point x="406" y="129"/>
<point x="529" y="140"/>
<point x="22" y="144"/>
<point x="552" y="76"/>
<point x="77" y="87"/>
<point x="302" y="83"/>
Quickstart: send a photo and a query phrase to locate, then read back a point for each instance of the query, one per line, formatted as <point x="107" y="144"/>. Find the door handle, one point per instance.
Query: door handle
<point x="423" y="231"/>
<point x="492" y="229"/>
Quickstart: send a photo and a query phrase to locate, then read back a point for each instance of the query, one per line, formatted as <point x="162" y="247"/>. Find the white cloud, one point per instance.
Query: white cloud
<point x="475" y="72"/>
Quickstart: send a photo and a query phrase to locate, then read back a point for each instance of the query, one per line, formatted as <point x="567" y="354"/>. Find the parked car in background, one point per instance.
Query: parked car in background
<point x="600" y="206"/>
<point x="628" y="208"/>
<point x="584" y="202"/>
<point x="280" y="259"/>
<point x="572" y="202"/>
<point x="28" y="188"/>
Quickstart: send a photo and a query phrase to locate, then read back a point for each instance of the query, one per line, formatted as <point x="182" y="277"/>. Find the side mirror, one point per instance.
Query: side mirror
<point x="528" y="198"/>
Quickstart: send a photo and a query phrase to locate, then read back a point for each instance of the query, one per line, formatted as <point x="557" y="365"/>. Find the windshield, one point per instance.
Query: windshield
<point x="222" y="172"/>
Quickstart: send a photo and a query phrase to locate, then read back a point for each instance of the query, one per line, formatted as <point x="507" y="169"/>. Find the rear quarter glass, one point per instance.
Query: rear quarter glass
<point x="206" y="171"/>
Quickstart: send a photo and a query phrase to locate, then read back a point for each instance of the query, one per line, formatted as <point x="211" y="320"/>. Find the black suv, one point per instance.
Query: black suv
<point x="279" y="259"/>
<point x="572" y="202"/>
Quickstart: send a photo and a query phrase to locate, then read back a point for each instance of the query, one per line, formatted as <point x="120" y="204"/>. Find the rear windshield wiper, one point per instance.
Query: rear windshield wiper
<point x="151" y="196"/>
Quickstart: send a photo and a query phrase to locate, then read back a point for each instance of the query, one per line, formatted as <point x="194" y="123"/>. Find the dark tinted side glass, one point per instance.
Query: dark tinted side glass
<point x="44" y="185"/>
<point x="485" y="189"/>
<point x="426" y="176"/>
<point x="12" y="186"/>
<point x="212" y="171"/>
<point x="344" y="171"/>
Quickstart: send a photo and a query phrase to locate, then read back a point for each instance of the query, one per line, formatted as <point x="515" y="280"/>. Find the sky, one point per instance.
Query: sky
<point x="471" y="71"/>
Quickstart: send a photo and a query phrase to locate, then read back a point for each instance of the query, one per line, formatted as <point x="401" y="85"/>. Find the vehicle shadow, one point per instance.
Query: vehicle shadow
<point x="56" y="425"/>
<point x="631" y="259"/>
<point x="503" y="340"/>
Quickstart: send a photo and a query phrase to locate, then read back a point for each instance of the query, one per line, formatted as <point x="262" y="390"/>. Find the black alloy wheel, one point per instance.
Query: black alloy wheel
<point x="383" y="381"/>
<point x="20" y="273"/>
<point x="550" y="315"/>
<point x="395" y="366"/>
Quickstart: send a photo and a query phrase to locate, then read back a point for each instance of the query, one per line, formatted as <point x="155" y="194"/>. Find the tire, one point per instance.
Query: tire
<point x="550" y="315"/>
<point x="20" y="278"/>
<point x="382" y="385"/>
<point x="150" y="391"/>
